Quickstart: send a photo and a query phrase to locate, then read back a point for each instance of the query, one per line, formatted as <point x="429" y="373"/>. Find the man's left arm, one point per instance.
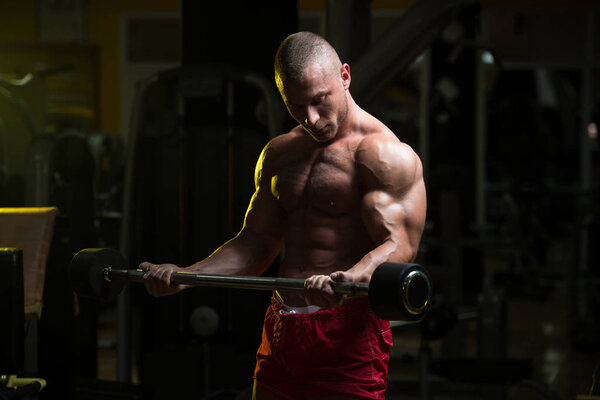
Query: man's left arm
<point x="393" y="205"/>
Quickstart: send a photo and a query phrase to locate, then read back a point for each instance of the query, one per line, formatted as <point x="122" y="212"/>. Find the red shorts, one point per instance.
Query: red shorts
<point x="341" y="351"/>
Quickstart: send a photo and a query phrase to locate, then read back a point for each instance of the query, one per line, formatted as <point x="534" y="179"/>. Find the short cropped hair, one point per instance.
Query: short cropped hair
<point x="299" y="50"/>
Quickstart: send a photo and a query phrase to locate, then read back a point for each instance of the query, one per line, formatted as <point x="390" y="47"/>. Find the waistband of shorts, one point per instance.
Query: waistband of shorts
<point x="294" y="310"/>
<point x="351" y="304"/>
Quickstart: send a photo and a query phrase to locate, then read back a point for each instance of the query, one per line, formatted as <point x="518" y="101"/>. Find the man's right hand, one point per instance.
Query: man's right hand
<point x="157" y="279"/>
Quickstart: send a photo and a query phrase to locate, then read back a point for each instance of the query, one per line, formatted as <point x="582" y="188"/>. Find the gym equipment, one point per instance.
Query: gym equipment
<point x="12" y="387"/>
<point x="204" y="321"/>
<point x="11" y="309"/>
<point x="396" y="291"/>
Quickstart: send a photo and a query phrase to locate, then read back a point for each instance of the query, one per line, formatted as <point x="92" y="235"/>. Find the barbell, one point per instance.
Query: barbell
<point x="396" y="291"/>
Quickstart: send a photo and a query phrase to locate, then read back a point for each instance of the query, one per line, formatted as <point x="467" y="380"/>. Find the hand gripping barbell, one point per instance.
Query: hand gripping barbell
<point x="396" y="291"/>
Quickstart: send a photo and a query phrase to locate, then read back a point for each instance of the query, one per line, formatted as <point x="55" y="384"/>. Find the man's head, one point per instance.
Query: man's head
<point x="313" y="83"/>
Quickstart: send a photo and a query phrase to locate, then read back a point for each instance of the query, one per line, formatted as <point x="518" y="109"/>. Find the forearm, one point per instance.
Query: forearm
<point x="319" y="287"/>
<point x="387" y="251"/>
<point x="248" y="253"/>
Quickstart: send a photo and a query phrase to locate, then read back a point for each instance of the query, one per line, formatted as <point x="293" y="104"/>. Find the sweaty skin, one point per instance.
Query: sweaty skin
<point x="340" y="191"/>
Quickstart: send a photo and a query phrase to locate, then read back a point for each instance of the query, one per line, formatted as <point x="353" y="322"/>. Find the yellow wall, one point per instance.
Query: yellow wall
<point x="18" y="25"/>
<point x="104" y="25"/>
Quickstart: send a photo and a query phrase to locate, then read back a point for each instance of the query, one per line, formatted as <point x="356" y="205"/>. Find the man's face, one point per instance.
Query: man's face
<point x="317" y="102"/>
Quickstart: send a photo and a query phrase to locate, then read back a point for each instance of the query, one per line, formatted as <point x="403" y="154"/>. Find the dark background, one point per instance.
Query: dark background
<point x="149" y="117"/>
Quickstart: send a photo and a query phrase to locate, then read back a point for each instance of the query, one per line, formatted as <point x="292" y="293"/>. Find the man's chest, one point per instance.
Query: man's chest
<point x="325" y="180"/>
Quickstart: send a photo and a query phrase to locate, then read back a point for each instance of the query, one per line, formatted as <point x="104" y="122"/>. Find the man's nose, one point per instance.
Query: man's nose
<point x="312" y="116"/>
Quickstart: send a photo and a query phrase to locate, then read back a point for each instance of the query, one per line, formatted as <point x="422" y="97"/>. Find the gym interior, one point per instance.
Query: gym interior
<point x="136" y="125"/>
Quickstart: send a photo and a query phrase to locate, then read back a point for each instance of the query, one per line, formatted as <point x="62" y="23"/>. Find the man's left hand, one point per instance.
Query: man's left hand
<point x="319" y="289"/>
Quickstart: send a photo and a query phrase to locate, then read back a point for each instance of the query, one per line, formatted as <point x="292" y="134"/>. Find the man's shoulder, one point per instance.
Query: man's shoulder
<point x="284" y="141"/>
<point x="382" y="143"/>
<point x="384" y="158"/>
<point x="280" y="146"/>
<point x="374" y="132"/>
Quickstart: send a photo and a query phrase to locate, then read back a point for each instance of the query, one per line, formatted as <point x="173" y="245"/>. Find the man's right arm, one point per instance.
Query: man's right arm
<point x="250" y="252"/>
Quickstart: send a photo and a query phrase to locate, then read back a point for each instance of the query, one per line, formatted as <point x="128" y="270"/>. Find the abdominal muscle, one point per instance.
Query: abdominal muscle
<point x="319" y="243"/>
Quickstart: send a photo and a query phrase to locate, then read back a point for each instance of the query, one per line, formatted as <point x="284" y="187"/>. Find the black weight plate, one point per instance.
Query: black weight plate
<point x="399" y="291"/>
<point x="86" y="273"/>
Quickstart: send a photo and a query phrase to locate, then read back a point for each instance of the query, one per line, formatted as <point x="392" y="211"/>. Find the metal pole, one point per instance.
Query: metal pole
<point x="235" y="281"/>
<point x="124" y="302"/>
<point x="585" y="157"/>
<point x="424" y="357"/>
<point x="123" y="336"/>
<point x="416" y="29"/>
<point x="424" y="106"/>
<point x="480" y="143"/>
<point x="348" y="27"/>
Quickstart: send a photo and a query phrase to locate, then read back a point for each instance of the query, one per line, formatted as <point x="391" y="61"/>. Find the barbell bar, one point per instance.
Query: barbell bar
<point x="234" y="281"/>
<point x="396" y="291"/>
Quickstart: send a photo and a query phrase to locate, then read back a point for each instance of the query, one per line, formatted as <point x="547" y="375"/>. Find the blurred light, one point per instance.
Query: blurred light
<point x="593" y="131"/>
<point x="545" y="89"/>
<point x="453" y="33"/>
<point x="487" y="57"/>
<point x="447" y="88"/>
<point x="420" y="58"/>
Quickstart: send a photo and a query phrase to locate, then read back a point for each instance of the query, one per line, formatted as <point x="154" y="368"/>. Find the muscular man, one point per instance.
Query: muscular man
<point x="343" y="195"/>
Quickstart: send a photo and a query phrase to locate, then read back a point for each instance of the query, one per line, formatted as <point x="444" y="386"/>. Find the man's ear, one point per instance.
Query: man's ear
<point x="345" y="75"/>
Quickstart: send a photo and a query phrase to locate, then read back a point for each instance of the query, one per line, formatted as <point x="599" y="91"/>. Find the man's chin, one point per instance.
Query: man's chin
<point x="322" y="136"/>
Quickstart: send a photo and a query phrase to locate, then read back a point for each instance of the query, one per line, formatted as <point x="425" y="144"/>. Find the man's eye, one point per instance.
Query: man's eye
<point x="319" y="100"/>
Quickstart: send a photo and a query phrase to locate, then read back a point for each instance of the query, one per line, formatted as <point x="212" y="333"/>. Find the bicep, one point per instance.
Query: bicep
<point x="264" y="215"/>
<point x="398" y="219"/>
<point x="394" y="204"/>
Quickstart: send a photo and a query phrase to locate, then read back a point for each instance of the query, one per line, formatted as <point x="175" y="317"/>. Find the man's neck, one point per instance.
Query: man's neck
<point x="351" y="123"/>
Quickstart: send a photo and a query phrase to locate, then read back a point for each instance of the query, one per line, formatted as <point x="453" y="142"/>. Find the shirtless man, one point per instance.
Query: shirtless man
<point x="343" y="195"/>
